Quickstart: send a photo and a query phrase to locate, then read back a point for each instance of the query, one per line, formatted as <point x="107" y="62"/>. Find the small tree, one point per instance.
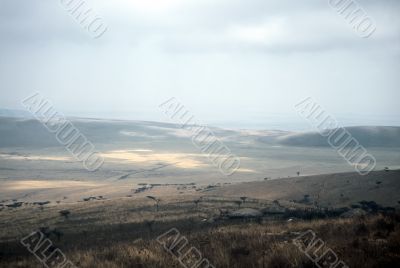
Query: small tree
<point x="306" y="198"/>
<point x="149" y="225"/>
<point x="298" y="173"/>
<point x="196" y="202"/>
<point x="243" y="198"/>
<point x="45" y="230"/>
<point x="156" y="200"/>
<point x="316" y="202"/>
<point x="58" y="234"/>
<point x="239" y="203"/>
<point x="65" y="213"/>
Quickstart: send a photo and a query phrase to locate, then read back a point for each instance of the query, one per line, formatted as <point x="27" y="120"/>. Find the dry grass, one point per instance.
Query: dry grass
<point x="372" y="241"/>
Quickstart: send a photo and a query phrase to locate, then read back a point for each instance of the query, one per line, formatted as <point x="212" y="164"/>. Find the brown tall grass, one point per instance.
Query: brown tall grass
<point x="369" y="241"/>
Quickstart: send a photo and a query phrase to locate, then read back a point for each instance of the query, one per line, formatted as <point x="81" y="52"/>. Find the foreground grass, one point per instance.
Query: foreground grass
<point x="369" y="241"/>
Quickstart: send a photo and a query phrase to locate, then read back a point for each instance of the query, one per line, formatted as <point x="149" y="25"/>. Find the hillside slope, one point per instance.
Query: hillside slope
<point x="368" y="136"/>
<point x="341" y="189"/>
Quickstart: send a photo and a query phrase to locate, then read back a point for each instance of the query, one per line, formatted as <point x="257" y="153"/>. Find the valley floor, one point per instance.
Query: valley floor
<point x="221" y="229"/>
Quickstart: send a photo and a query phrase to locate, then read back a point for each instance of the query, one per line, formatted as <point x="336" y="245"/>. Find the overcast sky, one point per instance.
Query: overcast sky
<point x="228" y="61"/>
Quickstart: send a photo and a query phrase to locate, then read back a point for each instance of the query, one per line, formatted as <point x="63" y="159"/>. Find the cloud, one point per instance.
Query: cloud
<point x="230" y="59"/>
<point x="198" y="26"/>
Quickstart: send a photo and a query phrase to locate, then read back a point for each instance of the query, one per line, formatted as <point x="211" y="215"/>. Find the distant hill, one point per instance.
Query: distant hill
<point x="29" y="132"/>
<point x="25" y="131"/>
<point x="368" y="136"/>
<point x="15" y="113"/>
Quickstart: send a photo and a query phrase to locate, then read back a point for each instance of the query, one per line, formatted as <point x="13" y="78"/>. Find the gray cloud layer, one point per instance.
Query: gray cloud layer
<point x="226" y="60"/>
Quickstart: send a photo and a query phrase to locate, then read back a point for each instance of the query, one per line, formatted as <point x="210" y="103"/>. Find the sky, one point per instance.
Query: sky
<point x="232" y="63"/>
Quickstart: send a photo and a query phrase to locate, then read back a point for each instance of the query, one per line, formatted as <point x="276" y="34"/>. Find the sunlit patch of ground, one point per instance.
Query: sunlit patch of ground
<point x="245" y="170"/>
<point x="180" y="160"/>
<point x="140" y="150"/>
<point x="140" y="134"/>
<point x="34" y="157"/>
<point x="43" y="184"/>
<point x="68" y="190"/>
